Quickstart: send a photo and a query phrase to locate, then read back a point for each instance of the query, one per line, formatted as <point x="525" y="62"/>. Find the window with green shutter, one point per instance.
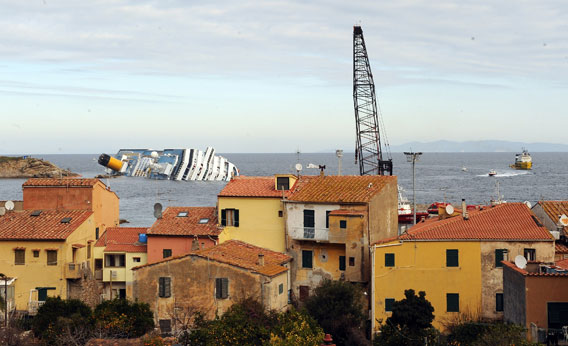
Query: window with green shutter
<point x="19" y="257"/>
<point x="341" y="262"/>
<point x="307" y="259"/>
<point x="499" y="302"/>
<point x="388" y="304"/>
<point x="221" y="288"/>
<point x="452" y="258"/>
<point x="500" y="255"/>
<point x="165" y="287"/>
<point x="389" y="260"/>
<point x="452" y="302"/>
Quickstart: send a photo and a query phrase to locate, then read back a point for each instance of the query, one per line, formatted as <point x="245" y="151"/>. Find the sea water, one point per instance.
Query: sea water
<point x="438" y="177"/>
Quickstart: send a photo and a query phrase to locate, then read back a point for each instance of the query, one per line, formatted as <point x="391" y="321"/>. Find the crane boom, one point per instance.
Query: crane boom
<point x="368" y="150"/>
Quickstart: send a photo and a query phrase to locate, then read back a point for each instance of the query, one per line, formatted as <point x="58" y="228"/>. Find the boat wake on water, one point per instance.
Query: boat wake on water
<point x="503" y="174"/>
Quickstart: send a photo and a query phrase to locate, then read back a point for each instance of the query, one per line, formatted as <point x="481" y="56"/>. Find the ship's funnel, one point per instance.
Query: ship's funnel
<point x="110" y="162"/>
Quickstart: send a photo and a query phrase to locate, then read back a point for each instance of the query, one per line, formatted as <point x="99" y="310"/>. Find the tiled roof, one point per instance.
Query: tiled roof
<point x="243" y="186"/>
<point x="562" y="264"/>
<point x="560" y="248"/>
<point x="339" y="189"/>
<point x="46" y="226"/>
<point x="81" y="182"/>
<point x="527" y="273"/>
<point x="172" y="224"/>
<point x="245" y="255"/>
<point x="555" y="208"/>
<point x="347" y="212"/>
<point x="122" y="239"/>
<point x="508" y="221"/>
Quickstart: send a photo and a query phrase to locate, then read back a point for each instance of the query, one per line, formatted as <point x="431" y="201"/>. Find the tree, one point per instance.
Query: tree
<point x="121" y="318"/>
<point x="410" y="322"/>
<point x="338" y="308"/>
<point x="295" y="328"/>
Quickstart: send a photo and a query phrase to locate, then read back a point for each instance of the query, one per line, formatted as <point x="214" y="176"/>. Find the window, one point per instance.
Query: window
<point x="115" y="260"/>
<point x="51" y="257"/>
<point x="500" y="255"/>
<point x="66" y="220"/>
<point x="452" y="258"/>
<point x="341" y="262"/>
<point x="204" y="220"/>
<point x="351" y="261"/>
<point x="388" y="304"/>
<point x="452" y="302"/>
<point x="164" y="287"/>
<point x="166" y="253"/>
<point x="282" y="183"/>
<point x="88" y="250"/>
<point x="165" y="327"/>
<point x="182" y="214"/>
<point x="342" y="223"/>
<point x="280" y="288"/>
<point x="327" y="218"/>
<point x="307" y="258"/>
<point x="19" y="257"/>
<point x="304" y="292"/>
<point x="136" y="259"/>
<point x="36" y="253"/>
<point x="280" y="213"/>
<point x="230" y="217"/>
<point x="389" y="260"/>
<point x="98" y="264"/>
<point x="309" y="224"/>
<point x="530" y="254"/>
<point x="97" y="233"/>
<point x="499" y="302"/>
<point x="221" y="288"/>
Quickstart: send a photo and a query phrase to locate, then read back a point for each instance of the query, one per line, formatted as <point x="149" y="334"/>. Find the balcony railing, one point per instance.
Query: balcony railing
<point x="317" y="234"/>
<point x="72" y="271"/>
<point x="33" y="306"/>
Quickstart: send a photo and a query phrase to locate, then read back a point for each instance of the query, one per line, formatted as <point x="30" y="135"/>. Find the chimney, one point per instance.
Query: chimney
<point x="464" y="210"/>
<point x="195" y="245"/>
<point x="260" y="259"/>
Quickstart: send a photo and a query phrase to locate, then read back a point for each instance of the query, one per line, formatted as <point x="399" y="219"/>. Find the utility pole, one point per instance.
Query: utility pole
<point x="413" y="157"/>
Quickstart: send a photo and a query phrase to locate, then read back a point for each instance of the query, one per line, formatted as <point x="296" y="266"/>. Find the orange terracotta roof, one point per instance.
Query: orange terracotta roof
<point x="243" y="186"/>
<point x="173" y="224"/>
<point x="346" y="212"/>
<point x="339" y="189"/>
<point x="74" y="182"/>
<point x="509" y="221"/>
<point x="46" y="226"/>
<point x="245" y="255"/>
<point x="560" y="248"/>
<point x="239" y="254"/>
<point x="122" y="239"/>
<point x="562" y="264"/>
<point x="525" y="272"/>
<point x="555" y="208"/>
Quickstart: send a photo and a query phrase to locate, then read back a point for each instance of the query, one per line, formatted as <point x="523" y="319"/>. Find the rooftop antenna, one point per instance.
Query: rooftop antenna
<point x="339" y="154"/>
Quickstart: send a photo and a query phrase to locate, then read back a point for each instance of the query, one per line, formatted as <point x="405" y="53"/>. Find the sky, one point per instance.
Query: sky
<point x="276" y="76"/>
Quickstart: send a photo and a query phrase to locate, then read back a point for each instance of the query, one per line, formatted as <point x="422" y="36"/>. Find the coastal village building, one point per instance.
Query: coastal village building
<point x="550" y="213"/>
<point x="181" y="230"/>
<point x="46" y="253"/>
<point x="211" y="280"/>
<point x="536" y="297"/>
<point x="330" y="223"/>
<point x="74" y="194"/>
<point x="457" y="261"/>
<point x="116" y="252"/>
<point x="251" y="210"/>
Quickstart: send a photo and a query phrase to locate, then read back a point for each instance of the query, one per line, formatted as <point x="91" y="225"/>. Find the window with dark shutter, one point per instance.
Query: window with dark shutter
<point x="51" y="257"/>
<point x="351" y="261"/>
<point x="388" y="304"/>
<point x="304" y="292"/>
<point x="223" y="217"/>
<point x="499" y="302"/>
<point x="230" y="217"/>
<point x="221" y="288"/>
<point x="165" y="327"/>
<point x="389" y="260"/>
<point x="341" y="262"/>
<point x="309" y="223"/>
<point x="530" y="254"/>
<point x="500" y="255"/>
<point x="236" y="223"/>
<point x="452" y="302"/>
<point x="164" y="287"/>
<point x="97" y="233"/>
<point x="307" y="259"/>
<point x="283" y="183"/>
<point x="167" y="253"/>
<point x="327" y="218"/>
<point x="452" y="258"/>
<point x="19" y="257"/>
<point x="280" y="288"/>
<point x="342" y="223"/>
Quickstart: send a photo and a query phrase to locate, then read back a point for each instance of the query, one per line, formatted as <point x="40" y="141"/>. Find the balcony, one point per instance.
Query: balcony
<point x="317" y="234"/>
<point x="33" y="306"/>
<point x="72" y="271"/>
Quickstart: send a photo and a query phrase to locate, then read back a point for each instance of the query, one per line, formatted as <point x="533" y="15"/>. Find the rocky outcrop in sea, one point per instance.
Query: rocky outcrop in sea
<point x="29" y="167"/>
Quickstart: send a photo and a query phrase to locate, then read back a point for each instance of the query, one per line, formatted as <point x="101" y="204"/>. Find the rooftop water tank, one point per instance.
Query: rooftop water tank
<point x="142" y="238"/>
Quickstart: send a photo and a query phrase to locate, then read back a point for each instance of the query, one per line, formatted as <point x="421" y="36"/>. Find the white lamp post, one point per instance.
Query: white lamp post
<point x="413" y="157"/>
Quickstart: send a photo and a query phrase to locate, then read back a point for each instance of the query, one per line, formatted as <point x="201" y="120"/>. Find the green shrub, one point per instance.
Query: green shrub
<point x="121" y="318"/>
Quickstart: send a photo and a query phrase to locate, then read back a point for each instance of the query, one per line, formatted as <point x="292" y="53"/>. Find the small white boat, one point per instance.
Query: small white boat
<point x="492" y="173"/>
<point x="464" y="169"/>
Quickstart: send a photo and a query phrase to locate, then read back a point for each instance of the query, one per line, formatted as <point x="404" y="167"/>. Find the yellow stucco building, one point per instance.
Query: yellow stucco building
<point x="46" y="252"/>
<point x="251" y="210"/>
<point x="456" y="262"/>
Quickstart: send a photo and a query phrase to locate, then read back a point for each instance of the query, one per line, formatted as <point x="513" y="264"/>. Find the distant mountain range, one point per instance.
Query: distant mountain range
<point x="478" y="146"/>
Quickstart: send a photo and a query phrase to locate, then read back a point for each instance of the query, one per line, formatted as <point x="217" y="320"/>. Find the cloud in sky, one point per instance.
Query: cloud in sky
<point x="276" y="75"/>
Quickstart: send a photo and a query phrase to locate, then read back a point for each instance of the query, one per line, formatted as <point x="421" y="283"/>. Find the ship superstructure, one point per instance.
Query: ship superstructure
<point x="522" y="160"/>
<point x="170" y="164"/>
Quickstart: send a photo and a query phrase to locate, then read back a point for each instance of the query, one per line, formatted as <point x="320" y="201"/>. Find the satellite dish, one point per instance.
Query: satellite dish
<point x="158" y="211"/>
<point x="449" y="209"/>
<point x="528" y="204"/>
<point x="298" y="167"/>
<point x="9" y="205"/>
<point x="521" y="261"/>
<point x="563" y="220"/>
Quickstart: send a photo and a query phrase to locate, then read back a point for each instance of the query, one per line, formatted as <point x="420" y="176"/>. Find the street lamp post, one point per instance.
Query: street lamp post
<point x="413" y="157"/>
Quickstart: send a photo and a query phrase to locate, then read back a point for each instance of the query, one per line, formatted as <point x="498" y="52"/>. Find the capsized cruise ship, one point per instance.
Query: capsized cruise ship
<point x="169" y="164"/>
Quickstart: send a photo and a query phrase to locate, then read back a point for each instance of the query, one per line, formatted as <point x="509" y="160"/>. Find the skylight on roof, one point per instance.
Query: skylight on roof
<point x="204" y="220"/>
<point x="182" y="214"/>
<point x="36" y="213"/>
<point x="66" y="220"/>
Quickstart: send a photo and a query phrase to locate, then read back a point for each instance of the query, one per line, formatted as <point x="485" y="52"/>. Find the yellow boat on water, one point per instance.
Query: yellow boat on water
<point x="522" y="160"/>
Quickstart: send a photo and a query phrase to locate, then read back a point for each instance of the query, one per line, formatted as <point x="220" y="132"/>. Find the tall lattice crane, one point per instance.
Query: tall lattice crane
<point x="368" y="151"/>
